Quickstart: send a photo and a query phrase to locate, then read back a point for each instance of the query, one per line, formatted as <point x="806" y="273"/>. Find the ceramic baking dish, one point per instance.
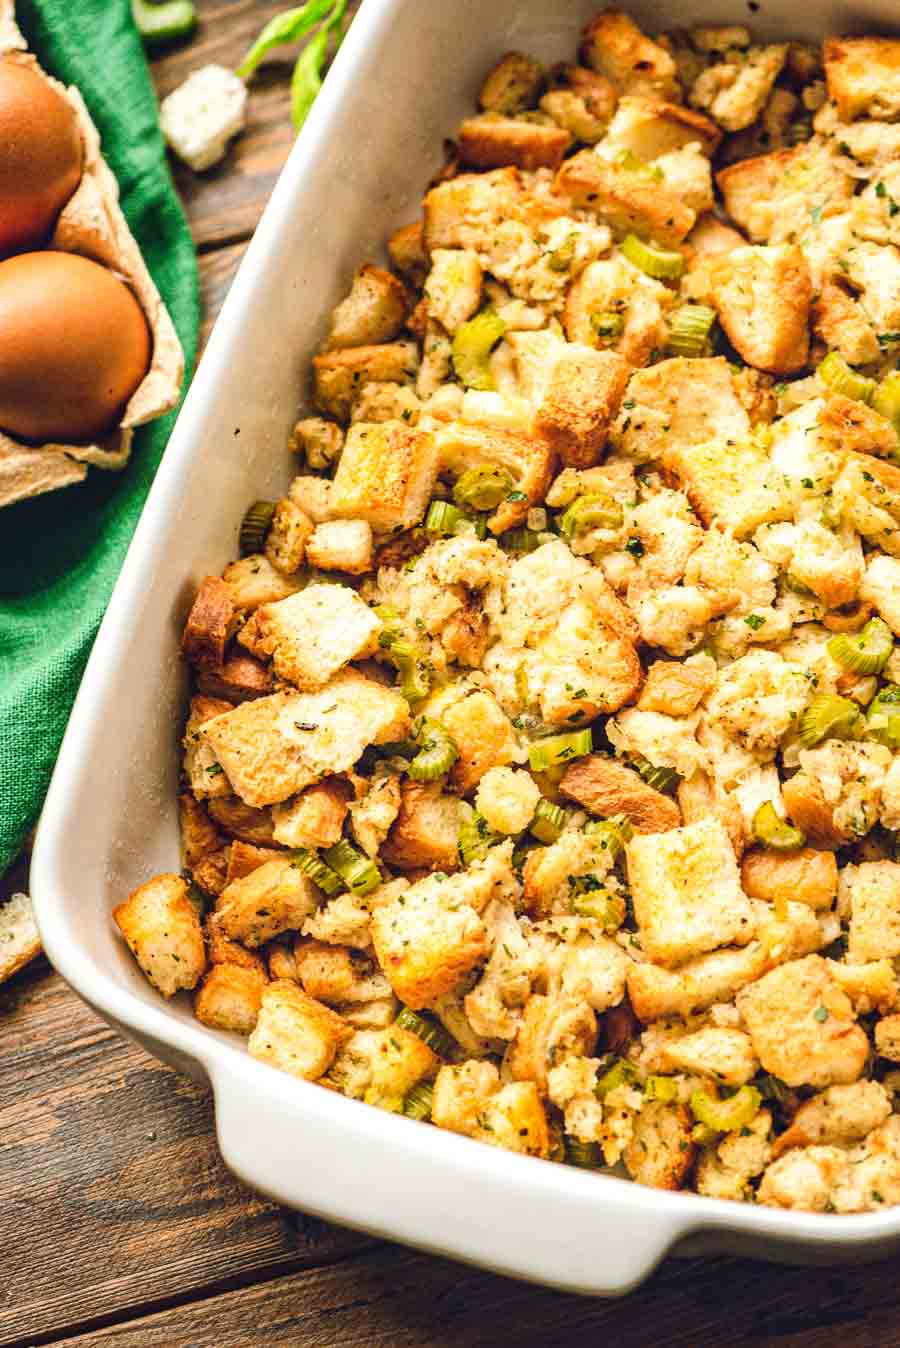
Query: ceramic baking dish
<point x="406" y="74"/>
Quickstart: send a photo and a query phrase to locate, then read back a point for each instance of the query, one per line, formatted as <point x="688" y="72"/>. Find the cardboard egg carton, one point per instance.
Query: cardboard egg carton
<point x="92" y="224"/>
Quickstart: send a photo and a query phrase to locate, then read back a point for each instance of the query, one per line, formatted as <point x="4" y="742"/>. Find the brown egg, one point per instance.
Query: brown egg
<point x="40" y="156"/>
<point x="74" y="345"/>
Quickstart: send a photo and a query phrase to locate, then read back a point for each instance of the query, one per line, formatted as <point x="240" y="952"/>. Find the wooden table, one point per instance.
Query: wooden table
<point x="119" y="1225"/>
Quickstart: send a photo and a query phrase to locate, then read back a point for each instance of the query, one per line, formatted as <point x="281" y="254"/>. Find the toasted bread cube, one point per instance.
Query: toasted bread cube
<point x="718" y="1051"/>
<point x="868" y="493"/>
<point x="386" y="475"/>
<point x="426" y="829"/>
<point x="281" y="962"/>
<point x="802" y="1025"/>
<point x="203" y="770"/>
<point x="244" y="858"/>
<point x="484" y="738"/>
<point x="315" y="633"/>
<point x="656" y="993"/>
<point x="650" y="127"/>
<point x="881" y="587"/>
<point x="588" y="667"/>
<point x="340" y="375"/>
<point x="274" y="747"/>
<point x="549" y="1031"/>
<point x="163" y="932"/>
<point x="661" y="1151"/>
<point x="427" y="940"/>
<point x="613" y="44"/>
<point x="286" y="541"/>
<point x="492" y="141"/>
<point x="507" y="798"/>
<point x="736" y="90"/>
<point x="874" y="893"/>
<point x="512" y="85"/>
<point x="626" y="200"/>
<point x="295" y="1033"/>
<point x="316" y="817"/>
<point x="530" y="461"/>
<point x="371" y="314"/>
<point x="863" y="76"/>
<point x="771" y="193"/>
<point x="373" y="813"/>
<point x="318" y="440"/>
<point x="732" y="484"/>
<point x="229" y="998"/>
<point x="613" y="285"/>
<point x="210" y="625"/>
<point x="273" y="898"/>
<point x="242" y="821"/>
<point x="679" y="402"/>
<point x="841" y="1114"/>
<point x="806" y="876"/>
<point x="341" y="545"/>
<point x="581" y="399"/>
<point x="887" y="1037"/>
<point x="254" y="581"/>
<point x="606" y="787"/>
<point x="400" y="1061"/>
<point x="313" y="496"/>
<point x="674" y="688"/>
<point x="338" y="975"/>
<point x="453" y="286"/>
<point x="199" y="835"/>
<point x="580" y="100"/>
<point x="465" y="211"/>
<point x="848" y="424"/>
<point x="406" y="250"/>
<point x="870" y="987"/>
<point x="762" y="296"/>
<point x="841" y="322"/>
<point x="469" y="1100"/>
<point x="240" y="678"/>
<point x="222" y="950"/>
<point x="687" y="174"/>
<point x="209" y="874"/>
<point x="687" y="893"/>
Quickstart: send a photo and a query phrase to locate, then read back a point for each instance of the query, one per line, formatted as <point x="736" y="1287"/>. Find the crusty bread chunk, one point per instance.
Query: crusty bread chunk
<point x="275" y="746"/>
<point x="512" y="85"/>
<point x="613" y="45"/>
<point x="679" y="402"/>
<point x="316" y="817"/>
<point x="661" y="1151"/>
<point x="581" y="399"/>
<point x="313" y="634"/>
<point x="873" y="890"/>
<point x="341" y="375"/>
<point x="426" y="829"/>
<point x="199" y="835"/>
<point x="254" y="581"/>
<point x="372" y="313"/>
<point x="763" y="296"/>
<point x="341" y="545"/>
<point x="698" y="984"/>
<point x="469" y="1099"/>
<point x="484" y="738"/>
<point x="273" y="898"/>
<point x="20" y="939"/>
<point x="806" y="876"/>
<point x="295" y="1033"/>
<point x="802" y="1025"/>
<point x="650" y="127"/>
<point x="606" y="787"/>
<point x="427" y="938"/>
<point x="626" y="200"/>
<point x="386" y="475"/>
<point x="863" y="76"/>
<point x="287" y="536"/>
<point x="687" y="892"/>
<point x="493" y="141"/>
<point x="229" y="998"/>
<point x="211" y="622"/>
<point x="771" y="193"/>
<point x="163" y="932"/>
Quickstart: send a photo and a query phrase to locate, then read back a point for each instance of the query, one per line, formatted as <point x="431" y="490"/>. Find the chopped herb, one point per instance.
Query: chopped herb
<point x="754" y="621"/>
<point x="635" y="547"/>
<point x="517" y="496"/>
<point x="806" y="482"/>
<point x="820" y="1014"/>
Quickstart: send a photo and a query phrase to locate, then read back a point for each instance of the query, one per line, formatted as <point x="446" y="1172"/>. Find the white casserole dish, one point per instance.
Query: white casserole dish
<point x="406" y="74"/>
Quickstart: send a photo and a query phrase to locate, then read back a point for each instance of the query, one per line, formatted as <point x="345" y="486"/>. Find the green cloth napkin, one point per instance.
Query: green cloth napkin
<point x="60" y="554"/>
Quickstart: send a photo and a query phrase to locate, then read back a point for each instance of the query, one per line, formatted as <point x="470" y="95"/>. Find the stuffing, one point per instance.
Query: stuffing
<point x="762" y="296"/>
<point x="254" y="581"/>
<point x="426" y="829"/>
<point x="669" y="533"/>
<point x="840" y="321"/>
<point x="343" y="920"/>
<point x="512" y="85"/>
<point x="507" y="799"/>
<point x="627" y="200"/>
<point x="466" y="211"/>
<point x="719" y="1052"/>
<point x="295" y="1033"/>
<point x="734" y="91"/>
<point x="686" y="892"/>
<point x="605" y="787"/>
<point x="870" y="987"/>
<point x="578" y="964"/>
<point x="229" y="998"/>
<point x="586" y="667"/>
<point x="491" y="141"/>
<point x="341" y="545"/>
<point x="250" y="825"/>
<point x="374" y="810"/>
<point x="427" y="939"/>
<point x="873" y="890"/>
<point x="581" y="398"/>
<point x="273" y="898"/>
<point x="453" y="286"/>
<point x="771" y="197"/>
<point x="313" y="634"/>
<point x="483" y="736"/>
<point x="273" y="747"/>
<point x="650" y="127"/>
<point x="841" y="1114"/>
<point x="315" y="817"/>
<point x="210" y="625"/>
<point x="679" y="402"/>
<point x="199" y="835"/>
<point x="611" y="293"/>
<point x="579" y="100"/>
<point x="313" y="496"/>
<point x="287" y="537"/>
<point x="340" y="375"/>
<point x="469" y="1099"/>
<point x="672" y="618"/>
<point x="802" y="1025"/>
<point x="863" y="76"/>
<point x="318" y="440"/>
<point x="732" y="485"/>
<point x="372" y="313"/>
<point x="338" y="975"/>
<point x="530" y="462"/>
<point x="734" y="577"/>
<point x="867" y="494"/>
<point x="552" y="874"/>
<point x="725" y="1169"/>
<point x="836" y="795"/>
<point x="676" y="688"/>
<point x="887" y="1037"/>
<point x="661" y="740"/>
<point x="204" y="772"/>
<point x="881" y="587"/>
<point x="163" y="932"/>
<point x="803" y="1179"/>
<point x="847" y="424"/>
<point x="805" y="876"/>
<point x="696" y="985"/>
<point x="386" y="475"/>
<point x="687" y="174"/>
<point x="494" y="1006"/>
<point x="661" y="1151"/>
<point x="614" y="46"/>
<point x="758" y="700"/>
<point x="550" y="1030"/>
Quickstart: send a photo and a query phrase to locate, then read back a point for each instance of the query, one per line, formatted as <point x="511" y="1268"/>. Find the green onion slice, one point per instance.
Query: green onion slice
<point x="548" y="822"/>
<point x="437" y="752"/>
<point x="311" y="864"/>
<point x="607" y="324"/>
<point x="725" y="1116"/>
<point x="543" y="754"/>
<point x="472" y="346"/>
<point x="886" y="398"/>
<point x="476" y="837"/>
<point x="419" y="1101"/>
<point x="594" y="511"/>
<point x="359" y="873"/>
<point x="883" y="716"/>
<point x="584" y="1155"/>
<point x="829" y="716"/>
<point x="842" y="378"/>
<point x="865" y="652"/>
<point x="255" y="526"/>
<point x="430" y="1031"/>
<point x="659" y="778"/>
<point x="612" y="833"/>
<point x="482" y="488"/>
<point x="620" y="1073"/>
<point x="774" y="832"/>
<point x="689" y="330"/>
<point x="664" y="264"/>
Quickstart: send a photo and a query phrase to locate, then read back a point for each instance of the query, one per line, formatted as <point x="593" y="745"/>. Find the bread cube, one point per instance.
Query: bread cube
<point x="679" y="402"/>
<point x="222" y="950"/>
<point x="731" y="484"/>
<point x="203" y="770"/>
<point x="873" y="889"/>
<point x="286" y="540"/>
<point x="550" y="1030"/>
<point x="295" y="1033"/>
<point x="650" y="127"/>
<point x="201" y="116"/>
<point x="687" y="893"/>
<point x="242" y="821"/>
<point x="580" y="100"/>
<point x="453" y="286"/>
<point x="661" y="1151"/>
<point x="581" y="398"/>
<point x="163" y="932"/>
<point x="613" y="44"/>
<point x="273" y="898"/>
<point x="887" y="1037"/>
<point x="881" y="587"/>
<point x="399" y="1060"/>
<point x="254" y="581"/>
<point x="427" y="941"/>
<point x="493" y="141"/>
<point x="736" y="90"/>
<point x="341" y="545"/>
<point x="340" y="375"/>
<point x="465" y="211"/>
<point x="386" y="475"/>
<point x="627" y="201"/>
<point x="868" y="495"/>
<point x="763" y="296"/>
<point x="239" y="679"/>
<point x="530" y="461"/>
<point x="507" y="798"/>
<point x="426" y="829"/>
<point x="802" y="1025"/>
<point x="806" y="876"/>
<point x="769" y="193"/>
<point x="229" y="998"/>
<point x="406" y="250"/>
<point x="315" y="633"/>
<point x="718" y="1051"/>
<point x="319" y="441"/>
<point x="316" y="817"/>
<point x="606" y="787"/>
<point x="674" y="688"/>
<point x="209" y="874"/>
<point x="199" y="835"/>
<point x="372" y="313"/>
<point x="698" y="984"/>
<point x="244" y="858"/>
<point x="337" y="975"/>
<point x="511" y="85"/>
<point x="275" y="746"/>
<point x="211" y="623"/>
<point x="374" y="811"/>
<point x="469" y="1100"/>
<point x="483" y="736"/>
<point x="313" y="496"/>
<point x="863" y="76"/>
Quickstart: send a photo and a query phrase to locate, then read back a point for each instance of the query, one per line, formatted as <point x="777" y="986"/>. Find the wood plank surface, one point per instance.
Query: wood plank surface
<point x="119" y="1225"/>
